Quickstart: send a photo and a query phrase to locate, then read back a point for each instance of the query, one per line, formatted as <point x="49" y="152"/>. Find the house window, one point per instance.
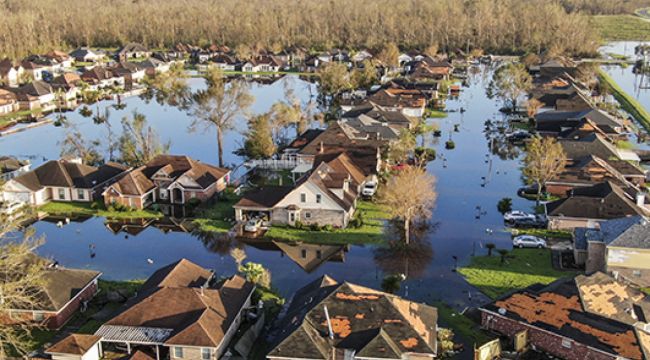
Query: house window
<point x="566" y="343"/>
<point x="205" y="354"/>
<point x="38" y="317"/>
<point x="192" y="195"/>
<point x="303" y="197"/>
<point x="307" y="215"/>
<point x="178" y="352"/>
<point x="319" y="254"/>
<point x="81" y="194"/>
<point x="61" y="194"/>
<point x="318" y="198"/>
<point x="636" y="273"/>
<point x="303" y="253"/>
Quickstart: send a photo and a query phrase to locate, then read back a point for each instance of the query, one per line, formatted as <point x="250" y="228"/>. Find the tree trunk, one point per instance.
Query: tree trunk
<point x="220" y="145"/>
<point x="407" y="230"/>
<point x="539" y="193"/>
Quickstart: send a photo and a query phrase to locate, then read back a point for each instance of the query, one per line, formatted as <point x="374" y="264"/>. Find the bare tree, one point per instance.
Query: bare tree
<point x="140" y="143"/>
<point x="410" y="195"/>
<point x="219" y="105"/>
<point x="291" y="112"/>
<point x="510" y="82"/>
<point x="532" y="106"/>
<point x="75" y="145"/>
<point x="544" y="160"/>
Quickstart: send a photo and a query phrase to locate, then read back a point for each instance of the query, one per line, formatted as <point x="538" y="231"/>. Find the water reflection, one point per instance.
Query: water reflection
<point x="410" y="260"/>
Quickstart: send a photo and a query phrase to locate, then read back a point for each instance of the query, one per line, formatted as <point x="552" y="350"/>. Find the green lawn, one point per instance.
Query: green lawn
<point x="461" y="325"/>
<point x="523" y="267"/>
<point x="435" y="114"/>
<point x="214" y="218"/>
<point x="371" y="232"/>
<point x="87" y="209"/>
<point x="628" y="103"/>
<point x="621" y="27"/>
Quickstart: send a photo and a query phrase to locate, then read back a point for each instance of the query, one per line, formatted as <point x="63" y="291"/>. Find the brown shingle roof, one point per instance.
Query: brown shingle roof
<point x="62" y="173"/>
<point x="74" y="344"/>
<point x="265" y="197"/>
<point x="62" y="285"/>
<point x="182" y="273"/>
<point x="134" y="183"/>
<point x="176" y="166"/>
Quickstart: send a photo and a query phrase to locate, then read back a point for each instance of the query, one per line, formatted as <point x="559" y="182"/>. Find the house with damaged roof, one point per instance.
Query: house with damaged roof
<point x="327" y="195"/>
<point x="167" y="179"/>
<point x="327" y="319"/>
<point x="564" y="123"/>
<point x="61" y="180"/>
<point x="620" y="247"/>
<point x="180" y="312"/>
<point x="62" y="293"/>
<point x="587" y="317"/>
<point x="603" y="201"/>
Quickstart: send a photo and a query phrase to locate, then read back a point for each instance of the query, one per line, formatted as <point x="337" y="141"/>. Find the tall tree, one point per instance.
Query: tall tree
<point x="365" y="77"/>
<point x="408" y="196"/>
<point x="168" y="87"/>
<point x="431" y="50"/>
<point x="258" y="143"/>
<point x="510" y="82"/>
<point x="544" y="160"/>
<point x="139" y="142"/>
<point x="76" y="145"/>
<point x="334" y="78"/>
<point x="403" y="147"/>
<point x="291" y="112"/>
<point x="22" y="281"/>
<point x="389" y="55"/>
<point x="532" y="107"/>
<point x="219" y="105"/>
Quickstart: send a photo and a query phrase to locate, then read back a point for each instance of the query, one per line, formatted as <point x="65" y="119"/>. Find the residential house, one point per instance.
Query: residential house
<point x="429" y="68"/>
<point x="11" y="167"/>
<point x="591" y="170"/>
<point x="61" y="58"/>
<point x="557" y="67"/>
<point x="264" y="63"/>
<point x="365" y="127"/>
<point x="566" y="123"/>
<point x="131" y="72"/>
<point x="87" y="55"/>
<point x="10" y="74"/>
<point x="595" y="144"/>
<point x="35" y="67"/>
<point x="62" y="293"/>
<point x="36" y="95"/>
<point x="324" y="197"/>
<point x="153" y="66"/>
<point x="225" y="62"/>
<point x="587" y="205"/>
<point x="428" y="88"/>
<point x="181" y="312"/>
<point x="8" y="102"/>
<point x="563" y="93"/>
<point x="361" y="56"/>
<point x="76" y="347"/>
<point x="172" y="179"/>
<point x="61" y="180"/>
<point x="394" y="119"/>
<point x="410" y="102"/>
<point x="587" y="317"/>
<point x="327" y="320"/>
<point x="620" y="247"/>
<point x="67" y="86"/>
<point x="100" y="77"/>
<point x="132" y="51"/>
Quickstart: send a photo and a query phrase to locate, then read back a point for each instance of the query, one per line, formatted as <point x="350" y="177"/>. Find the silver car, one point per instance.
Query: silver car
<point x="528" y="241"/>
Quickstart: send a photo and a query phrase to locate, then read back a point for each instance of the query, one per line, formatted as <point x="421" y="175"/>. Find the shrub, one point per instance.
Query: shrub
<point x="327" y="228"/>
<point x="504" y="205"/>
<point x="427" y="154"/>
<point x="194" y="202"/>
<point x="449" y="145"/>
<point x="437" y="133"/>
<point x="298" y="224"/>
<point x="94" y="205"/>
<point x="314" y="227"/>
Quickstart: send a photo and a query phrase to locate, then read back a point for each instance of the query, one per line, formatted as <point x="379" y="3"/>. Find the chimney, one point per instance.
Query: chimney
<point x="640" y="199"/>
<point x="329" y="323"/>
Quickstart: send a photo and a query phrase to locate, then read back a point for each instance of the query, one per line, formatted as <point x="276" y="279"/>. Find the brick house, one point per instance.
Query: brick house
<point x="588" y="317"/>
<point x="63" y="293"/>
<point x="168" y="179"/>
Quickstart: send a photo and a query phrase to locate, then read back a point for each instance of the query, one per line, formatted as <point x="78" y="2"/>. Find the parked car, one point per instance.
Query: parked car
<point x="253" y="225"/>
<point x="536" y="222"/>
<point x="369" y="189"/>
<point x="528" y="241"/>
<point x="511" y="216"/>
<point x="518" y="136"/>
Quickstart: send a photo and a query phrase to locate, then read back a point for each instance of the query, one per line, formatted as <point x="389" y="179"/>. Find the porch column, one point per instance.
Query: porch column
<point x="128" y="348"/>
<point x="157" y="353"/>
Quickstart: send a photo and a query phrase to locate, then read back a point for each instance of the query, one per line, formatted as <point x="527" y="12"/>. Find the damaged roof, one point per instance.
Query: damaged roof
<point x="558" y="308"/>
<point x="372" y="323"/>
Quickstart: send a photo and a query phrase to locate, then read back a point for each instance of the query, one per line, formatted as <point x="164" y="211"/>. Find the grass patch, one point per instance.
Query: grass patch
<point x="371" y="232"/>
<point x="436" y="114"/>
<point x="461" y="325"/>
<point x="545" y="233"/>
<point x="523" y="268"/>
<point x="217" y="217"/>
<point x="646" y="290"/>
<point x="628" y="103"/>
<point x="621" y="27"/>
<point x="97" y="208"/>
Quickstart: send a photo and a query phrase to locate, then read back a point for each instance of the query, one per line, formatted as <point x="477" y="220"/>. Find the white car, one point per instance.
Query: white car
<point x="253" y="225"/>
<point x="528" y="241"/>
<point x="517" y="215"/>
<point x="369" y="189"/>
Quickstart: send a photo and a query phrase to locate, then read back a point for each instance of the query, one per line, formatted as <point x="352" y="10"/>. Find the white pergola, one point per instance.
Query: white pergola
<point x="134" y="335"/>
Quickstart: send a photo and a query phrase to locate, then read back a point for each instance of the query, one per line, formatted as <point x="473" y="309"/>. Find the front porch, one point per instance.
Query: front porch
<point x="126" y="340"/>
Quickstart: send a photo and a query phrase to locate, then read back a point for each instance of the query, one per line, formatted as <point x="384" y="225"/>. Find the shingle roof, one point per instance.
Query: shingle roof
<point x="176" y="166"/>
<point x="74" y="344"/>
<point x="62" y="173"/>
<point x="601" y="201"/>
<point x="134" y="183"/>
<point x="188" y="316"/>
<point x="10" y="164"/>
<point x="362" y="319"/>
<point x="182" y="273"/>
<point x="593" y="144"/>
<point x="264" y="197"/>
<point x="606" y="232"/>
<point x="62" y="285"/>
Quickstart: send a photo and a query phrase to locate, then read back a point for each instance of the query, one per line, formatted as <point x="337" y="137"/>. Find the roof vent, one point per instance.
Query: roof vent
<point x="502" y="311"/>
